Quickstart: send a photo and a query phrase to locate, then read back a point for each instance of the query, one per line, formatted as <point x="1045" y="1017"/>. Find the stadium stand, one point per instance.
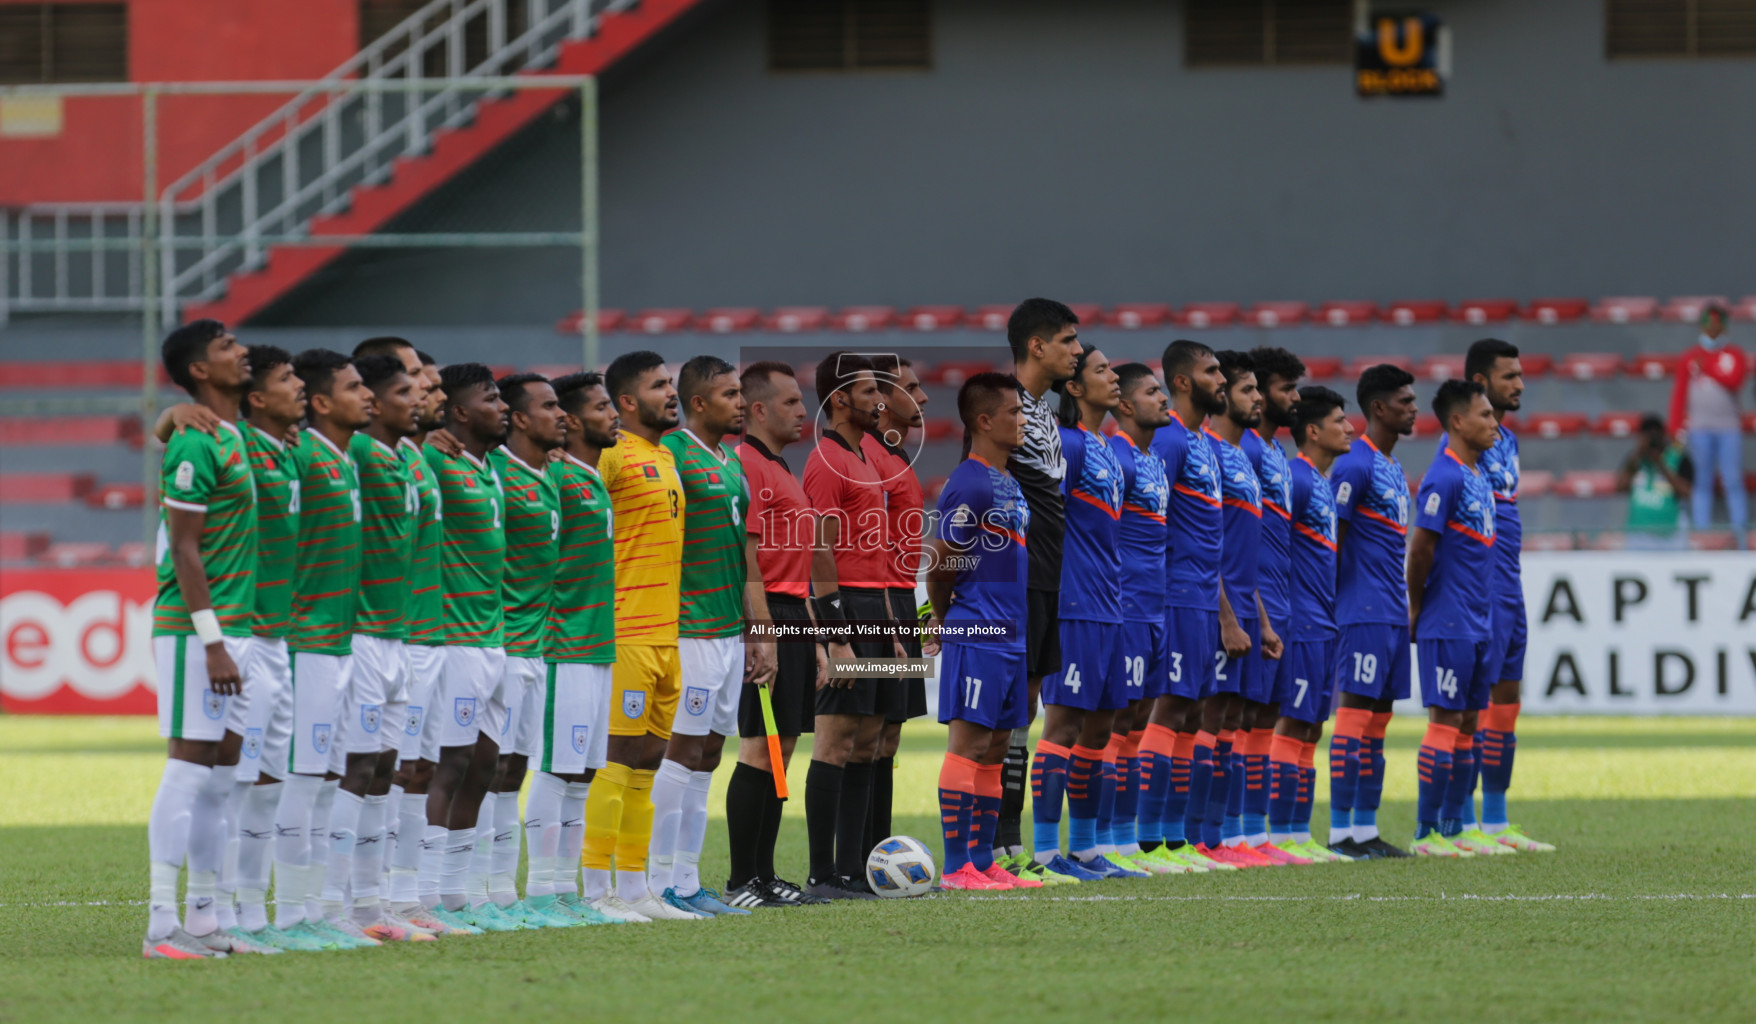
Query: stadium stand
<point x="793" y="319"/>
<point x="863" y="318"/>
<point x="1342" y="314"/>
<point x="724" y="321"/>
<point x="933" y="318"/>
<point x="1133" y="315"/>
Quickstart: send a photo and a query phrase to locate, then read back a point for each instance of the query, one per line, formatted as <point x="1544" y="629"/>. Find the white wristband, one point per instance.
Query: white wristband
<point x="207" y="626"/>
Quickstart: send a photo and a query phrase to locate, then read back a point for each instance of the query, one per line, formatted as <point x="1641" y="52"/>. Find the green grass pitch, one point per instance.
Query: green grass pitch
<point x="1647" y="912"/>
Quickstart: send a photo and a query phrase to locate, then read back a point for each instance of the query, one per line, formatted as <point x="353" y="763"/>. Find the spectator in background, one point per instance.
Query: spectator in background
<point x="1658" y="475"/>
<point x="1704" y="408"/>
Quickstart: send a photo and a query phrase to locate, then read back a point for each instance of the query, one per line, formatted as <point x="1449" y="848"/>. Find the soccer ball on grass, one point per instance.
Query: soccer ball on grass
<point x="900" y="866"/>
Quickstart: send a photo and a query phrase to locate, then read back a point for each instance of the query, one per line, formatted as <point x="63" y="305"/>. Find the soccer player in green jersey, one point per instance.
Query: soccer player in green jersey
<point x="326" y="577"/>
<point x="533" y="529"/>
<point x="472" y="567"/>
<point x="375" y="706"/>
<point x="710" y="645"/>
<point x="579" y="646"/>
<point x="201" y="630"/>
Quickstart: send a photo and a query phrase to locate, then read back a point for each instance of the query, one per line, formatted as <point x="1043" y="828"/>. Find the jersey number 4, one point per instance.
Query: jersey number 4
<point x="1071" y="680"/>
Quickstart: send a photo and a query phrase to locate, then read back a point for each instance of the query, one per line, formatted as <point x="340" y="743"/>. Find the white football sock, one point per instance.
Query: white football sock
<point x="1256" y="838"/>
<point x="460" y="849"/>
<point x="1302" y="836"/>
<point x="691" y="835"/>
<point x="1340" y="834"/>
<point x="228" y="879"/>
<point x="344" y="833"/>
<point x="255" y="832"/>
<point x="566" y="877"/>
<point x="405" y="856"/>
<point x="392" y="831"/>
<point x="503" y="854"/>
<point x="293" y="834"/>
<point x="167" y="840"/>
<point x="434" y="839"/>
<point x="668" y="787"/>
<point x="631" y="885"/>
<point x="369" y="858"/>
<point x="321" y="843"/>
<point x="1365" y="833"/>
<point x="481" y="852"/>
<point x="542" y="829"/>
<point x="207" y="850"/>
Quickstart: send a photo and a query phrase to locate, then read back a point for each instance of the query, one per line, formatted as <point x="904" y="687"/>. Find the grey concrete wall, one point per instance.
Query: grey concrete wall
<point x="1064" y="148"/>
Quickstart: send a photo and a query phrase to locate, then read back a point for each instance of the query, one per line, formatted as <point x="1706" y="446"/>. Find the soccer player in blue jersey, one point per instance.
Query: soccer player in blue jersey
<point x="1277" y="378"/>
<point x="1243" y="680"/>
<point x="1494" y="364"/>
<point x="1321" y="432"/>
<point x="1450" y="602"/>
<point x="1198" y="619"/>
<point x="1143" y="408"/>
<point x="1080" y="700"/>
<point x="1371" y="609"/>
<point x="978" y="569"/>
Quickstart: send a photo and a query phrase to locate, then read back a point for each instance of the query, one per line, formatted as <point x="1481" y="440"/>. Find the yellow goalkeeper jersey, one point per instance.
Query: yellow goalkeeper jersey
<point x="646" y="498"/>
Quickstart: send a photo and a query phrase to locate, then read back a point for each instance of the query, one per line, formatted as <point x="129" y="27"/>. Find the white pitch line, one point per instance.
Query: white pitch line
<point x="1364" y="898"/>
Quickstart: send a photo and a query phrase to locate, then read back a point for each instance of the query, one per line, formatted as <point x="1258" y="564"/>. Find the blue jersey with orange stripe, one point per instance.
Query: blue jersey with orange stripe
<point x="1313" y="552"/>
<point x="1274" y="560"/>
<point x="984" y="517"/>
<point x="1091" y="567"/>
<point x="1371" y="497"/>
<point x="1499" y="466"/>
<point x="1193" y="520"/>
<point x="1140" y="533"/>
<point x="1456" y="502"/>
<point x="1242" y="494"/>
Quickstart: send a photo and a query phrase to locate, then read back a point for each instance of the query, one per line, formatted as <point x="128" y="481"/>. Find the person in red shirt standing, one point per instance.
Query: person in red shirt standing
<point x="1704" y="406"/>
<point x="848" y="493"/>
<point x="887" y="447"/>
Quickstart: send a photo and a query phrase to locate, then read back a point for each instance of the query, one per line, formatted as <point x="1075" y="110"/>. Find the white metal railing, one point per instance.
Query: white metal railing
<point x="298" y="163"/>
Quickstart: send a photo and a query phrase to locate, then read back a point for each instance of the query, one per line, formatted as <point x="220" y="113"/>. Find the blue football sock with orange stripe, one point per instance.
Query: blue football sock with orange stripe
<point x="1201" y="768"/>
<point x="1083" y="785"/>
<point x="957" y="799"/>
<point x="1434" y="764"/>
<point x="985" y="819"/>
<point x="1048" y="786"/>
<point x="1106" y="804"/>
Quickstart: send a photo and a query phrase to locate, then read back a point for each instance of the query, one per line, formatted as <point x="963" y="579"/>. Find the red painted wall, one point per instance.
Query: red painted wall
<point x="97" y="156"/>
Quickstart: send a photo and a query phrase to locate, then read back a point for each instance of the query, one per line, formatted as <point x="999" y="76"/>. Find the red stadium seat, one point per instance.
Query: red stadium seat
<point x="933" y="318"/>
<point x="1589" y="365"/>
<point x="1604" y="540"/>
<point x="1713" y="540"/>
<point x="1536" y="364"/>
<point x="953" y="373"/>
<point x="1322" y="367"/>
<point x="44" y="488"/>
<point x="1139" y="314"/>
<point x="1359" y="364"/>
<point x="1442" y="367"/>
<point x="1551" y="425"/>
<point x="19" y="547"/>
<point x="1624" y="309"/>
<point x="1616" y="424"/>
<point x="1206" y="314"/>
<point x="863" y="318"/>
<point x="1686" y="309"/>
<point x="660" y="321"/>
<point x="1276" y="314"/>
<point x="990" y="318"/>
<point x="76" y="554"/>
<point x="792" y="319"/>
<point x="1485" y="311"/>
<point x="1089" y="313"/>
<point x="1418" y="311"/>
<point x="1547" y="542"/>
<point x="1586" y="483"/>
<point x="934" y="486"/>
<point x="117" y="496"/>
<point x="134" y="553"/>
<point x="1744" y="308"/>
<point x="1345" y="314"/>
<point x="48" y="430"/>
<point x="725" y="321"/>
<point x="1427" y="426"/>
<point x="1655" y="365"/>
<point x="1555" y="311"/>
<point x="940" y="428"/>
<point x="90" y="373"/>
<point x="608" y="320"/>
<point x="1358" y="422"/>
<point x="1750" y="422"/>
<point x="1535" y="483"/>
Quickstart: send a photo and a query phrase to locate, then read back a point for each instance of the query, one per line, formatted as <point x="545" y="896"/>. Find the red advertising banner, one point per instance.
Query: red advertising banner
<point x="76" y="642"/>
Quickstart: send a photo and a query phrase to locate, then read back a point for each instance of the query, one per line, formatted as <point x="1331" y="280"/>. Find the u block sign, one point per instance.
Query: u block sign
<point x="1402" y="55"/>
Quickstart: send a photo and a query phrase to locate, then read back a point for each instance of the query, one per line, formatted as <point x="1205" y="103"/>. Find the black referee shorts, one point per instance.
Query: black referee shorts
<point x="914" y="688"/>
<point x="870" y="696"/>
<point x="794" y="690"/>
<point x="1043" y="642"/>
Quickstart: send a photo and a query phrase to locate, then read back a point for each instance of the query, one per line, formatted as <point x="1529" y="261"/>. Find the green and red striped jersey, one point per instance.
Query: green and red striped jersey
<point x="277" y="529"/>
<point x="533" y="527"/>
<point x="472" y="551"/>
<point x="426" y="609"/>
<point x="326" y="579"/>
<point x="582" y="609"/>
<point x="210" y="475"/>
<point x="713" y="536"/>
<point x="387" y="537"/>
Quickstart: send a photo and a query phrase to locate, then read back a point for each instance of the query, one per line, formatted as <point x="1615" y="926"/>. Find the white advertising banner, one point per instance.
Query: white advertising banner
<point x="1635" y="633"/>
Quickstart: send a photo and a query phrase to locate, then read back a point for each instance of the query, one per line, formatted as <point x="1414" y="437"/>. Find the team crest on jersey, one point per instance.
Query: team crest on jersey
<point x="695" y="699"/>
<point x="1343" y="493"/>
<point x="1432" y="503"/>
<point x="212" y="704"/>
<point x="185" y="477"/>
<point x="413" y="726"/>
<point x="580" y="734"/>
<point x="320" y="737"/>
<point x="370" y="715"/>
<point x="633" y="703"/>
<point x="252" y="743"/>
<point x="464" y="711"/>
<point x="650" y="471"/>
